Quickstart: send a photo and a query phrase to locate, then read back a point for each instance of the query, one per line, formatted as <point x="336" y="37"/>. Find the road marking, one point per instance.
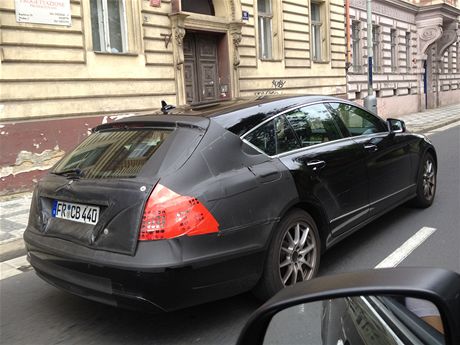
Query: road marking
<point x="395" y="258"/>
<point x="14" y="267"/>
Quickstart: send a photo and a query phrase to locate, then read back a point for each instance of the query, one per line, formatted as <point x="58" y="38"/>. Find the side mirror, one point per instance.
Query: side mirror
<point x="396" y="126"/>
<point x="386" y="306"/>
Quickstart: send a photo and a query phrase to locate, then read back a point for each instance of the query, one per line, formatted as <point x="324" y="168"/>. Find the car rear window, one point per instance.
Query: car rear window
<point x="113" y="153"/>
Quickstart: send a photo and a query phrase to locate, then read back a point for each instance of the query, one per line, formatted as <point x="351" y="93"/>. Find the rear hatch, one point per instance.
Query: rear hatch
<point x="95" y="196"/>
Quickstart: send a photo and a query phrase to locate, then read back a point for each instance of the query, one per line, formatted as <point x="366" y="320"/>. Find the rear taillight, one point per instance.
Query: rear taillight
<point x="168" y="215"/>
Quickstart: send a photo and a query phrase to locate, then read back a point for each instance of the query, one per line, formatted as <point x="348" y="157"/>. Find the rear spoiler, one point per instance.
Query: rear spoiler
<point x="155" y="121"/>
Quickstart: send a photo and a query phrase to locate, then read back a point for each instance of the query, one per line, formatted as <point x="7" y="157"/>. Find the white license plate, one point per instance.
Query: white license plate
<point x="76" y="212"/>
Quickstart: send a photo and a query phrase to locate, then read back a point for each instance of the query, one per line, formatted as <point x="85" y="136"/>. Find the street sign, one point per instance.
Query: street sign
<point x="245" y="15"/>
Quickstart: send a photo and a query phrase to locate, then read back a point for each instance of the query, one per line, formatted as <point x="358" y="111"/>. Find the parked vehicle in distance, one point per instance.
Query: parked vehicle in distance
<point x="188" y="205"/>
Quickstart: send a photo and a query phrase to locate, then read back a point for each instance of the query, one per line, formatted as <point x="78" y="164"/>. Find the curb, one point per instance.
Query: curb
<point x="12" y="249"/>
<point x="427" y="129"/>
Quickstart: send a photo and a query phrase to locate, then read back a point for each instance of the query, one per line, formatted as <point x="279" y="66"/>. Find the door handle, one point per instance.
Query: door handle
<point x="316" y="164"/>
<point x="371" y="147"/>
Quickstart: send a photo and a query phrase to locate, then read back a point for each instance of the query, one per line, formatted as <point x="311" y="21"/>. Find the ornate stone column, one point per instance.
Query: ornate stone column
<point x="235" y="36"/>
<point x="429" y="31"/>
<point x="447" y="38"/>
<point x="178" y="34"/>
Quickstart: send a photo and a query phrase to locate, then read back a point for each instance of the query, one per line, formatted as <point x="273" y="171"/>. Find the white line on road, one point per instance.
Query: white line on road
<point x="395" y="258"/>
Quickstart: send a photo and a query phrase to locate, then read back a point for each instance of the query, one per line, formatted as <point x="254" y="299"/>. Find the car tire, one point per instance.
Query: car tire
<point x="293" y="255"/>
<point x="426" y="182"/>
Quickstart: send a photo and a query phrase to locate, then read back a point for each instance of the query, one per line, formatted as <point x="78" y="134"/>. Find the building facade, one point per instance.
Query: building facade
<point x="63" y="70"/>
<point x="416" y="54"/>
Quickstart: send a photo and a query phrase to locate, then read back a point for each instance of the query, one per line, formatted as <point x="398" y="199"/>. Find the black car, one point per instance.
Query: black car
<point x="189" y="205"/>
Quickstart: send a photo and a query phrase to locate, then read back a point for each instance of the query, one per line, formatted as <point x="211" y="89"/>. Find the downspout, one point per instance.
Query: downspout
<point x="347" y="16"/>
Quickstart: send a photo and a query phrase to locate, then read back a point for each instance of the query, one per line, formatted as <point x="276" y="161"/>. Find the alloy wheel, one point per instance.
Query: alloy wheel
<point x="429" y="179"/>
<point x="297" y="257"/>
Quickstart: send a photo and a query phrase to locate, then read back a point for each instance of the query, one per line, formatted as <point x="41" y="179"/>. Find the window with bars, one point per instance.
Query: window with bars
<point x="108" y="26"/>
<point x="376" y="48"/>
<point x="356" y="46"/>
<point x="408" y="52"/>
<point x="265" y="26"/>
<point x="394" y="49"/>
<point x="450" y="59"/>
<point x="458" y="57"/>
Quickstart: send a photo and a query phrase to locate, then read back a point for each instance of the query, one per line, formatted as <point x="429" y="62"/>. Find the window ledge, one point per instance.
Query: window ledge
<point x="117" y="54"/>
<point x="321" y="61"/>
<point x="270" y="60"/>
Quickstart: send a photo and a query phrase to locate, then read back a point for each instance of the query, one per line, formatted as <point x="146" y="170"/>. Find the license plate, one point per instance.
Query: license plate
<point x="76" y="212"/>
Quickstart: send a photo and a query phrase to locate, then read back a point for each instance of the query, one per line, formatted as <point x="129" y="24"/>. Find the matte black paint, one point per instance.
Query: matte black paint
<point x="246" y="191"/>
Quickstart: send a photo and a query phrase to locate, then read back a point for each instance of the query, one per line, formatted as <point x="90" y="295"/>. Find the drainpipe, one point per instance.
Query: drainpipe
<point x="347" y="16"/>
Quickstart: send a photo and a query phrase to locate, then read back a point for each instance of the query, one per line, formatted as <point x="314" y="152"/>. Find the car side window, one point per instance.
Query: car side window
<point x="358" y="121"/>
<point x="313" y="125"/>
<point x="274" y="137"/>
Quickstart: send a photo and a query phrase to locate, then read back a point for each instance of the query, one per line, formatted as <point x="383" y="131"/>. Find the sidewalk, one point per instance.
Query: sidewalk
<point x="14" y="209"/>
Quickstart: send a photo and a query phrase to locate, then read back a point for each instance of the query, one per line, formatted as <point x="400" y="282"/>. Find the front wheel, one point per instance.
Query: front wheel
<point x="293" y="255"/>
<point x="426" y="183"/>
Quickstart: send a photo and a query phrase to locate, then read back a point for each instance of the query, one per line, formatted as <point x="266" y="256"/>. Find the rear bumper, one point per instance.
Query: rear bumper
<point x="133" y="282"/>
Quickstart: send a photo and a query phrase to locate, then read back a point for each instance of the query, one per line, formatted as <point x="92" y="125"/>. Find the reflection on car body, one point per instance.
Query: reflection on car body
<point x="375" y="320"/>
<point x="200" y="204"/>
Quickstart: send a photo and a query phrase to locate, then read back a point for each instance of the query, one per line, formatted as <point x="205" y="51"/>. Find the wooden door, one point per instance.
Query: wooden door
<point x="201" y="68"/>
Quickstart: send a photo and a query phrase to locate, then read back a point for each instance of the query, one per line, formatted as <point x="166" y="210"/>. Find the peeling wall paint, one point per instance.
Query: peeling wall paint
<point x="27" y="161"/>
<point x="29" y="148"/>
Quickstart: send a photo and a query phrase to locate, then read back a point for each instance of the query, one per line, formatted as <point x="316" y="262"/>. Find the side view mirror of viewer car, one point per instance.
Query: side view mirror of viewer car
<point x="396" y="126"/>
<point x="386" y="306"/>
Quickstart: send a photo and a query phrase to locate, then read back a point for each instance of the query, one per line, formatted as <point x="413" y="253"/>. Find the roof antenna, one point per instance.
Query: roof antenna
<point x="165" y="107"/>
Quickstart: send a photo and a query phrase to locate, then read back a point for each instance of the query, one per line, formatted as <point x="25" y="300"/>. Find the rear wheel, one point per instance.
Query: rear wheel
<point x="293" y="255"/>
<point x="426" y="183"/>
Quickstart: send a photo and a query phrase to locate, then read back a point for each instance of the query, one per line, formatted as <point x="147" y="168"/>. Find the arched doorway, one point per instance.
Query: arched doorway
<point x="207" y="36"/>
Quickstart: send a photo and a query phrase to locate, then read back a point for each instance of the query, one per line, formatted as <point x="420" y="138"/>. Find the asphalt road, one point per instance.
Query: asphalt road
<point x="32" y="312"/>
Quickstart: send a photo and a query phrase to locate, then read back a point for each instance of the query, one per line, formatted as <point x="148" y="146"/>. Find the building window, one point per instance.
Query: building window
<point x="319" y="32"/>
<point x="450" y="59"/>
<point x="316" y="28"/>
<point x="394" y="49"/>
<point x="356" y="45"/>
<point x="198" y="6"/>
<point x="108" y="24"/>
<point x="408" y="52"/>
<point x="376" y="48"/>
<point x="265" y="16"/>
<point x="458" y="57"/>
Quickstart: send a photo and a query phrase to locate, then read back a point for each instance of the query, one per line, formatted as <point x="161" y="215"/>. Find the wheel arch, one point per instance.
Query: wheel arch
<point x="432" y="151"/>
<point x="320" y="219"/>
<point x="317" y="214"/>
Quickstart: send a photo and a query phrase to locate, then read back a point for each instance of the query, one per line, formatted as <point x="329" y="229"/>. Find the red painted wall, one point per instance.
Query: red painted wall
<point x="35" y="137"/>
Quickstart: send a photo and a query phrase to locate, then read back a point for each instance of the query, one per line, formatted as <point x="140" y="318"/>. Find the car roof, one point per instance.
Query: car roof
<point x="236" y="115"/>
<point x="216" y="109"/>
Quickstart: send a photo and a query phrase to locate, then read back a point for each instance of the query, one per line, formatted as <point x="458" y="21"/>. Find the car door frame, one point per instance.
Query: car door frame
<point x="387" y="153"/>
<point x="337" y="224"/>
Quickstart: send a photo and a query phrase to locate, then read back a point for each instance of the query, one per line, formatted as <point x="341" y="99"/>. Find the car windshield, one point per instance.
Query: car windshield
<point x="113" y="153"/>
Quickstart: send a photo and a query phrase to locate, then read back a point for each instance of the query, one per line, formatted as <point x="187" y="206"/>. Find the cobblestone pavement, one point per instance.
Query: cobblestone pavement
<point x="427" y="120"/>
<point x="14" y="209"/>
<point x="14" y="214"/>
